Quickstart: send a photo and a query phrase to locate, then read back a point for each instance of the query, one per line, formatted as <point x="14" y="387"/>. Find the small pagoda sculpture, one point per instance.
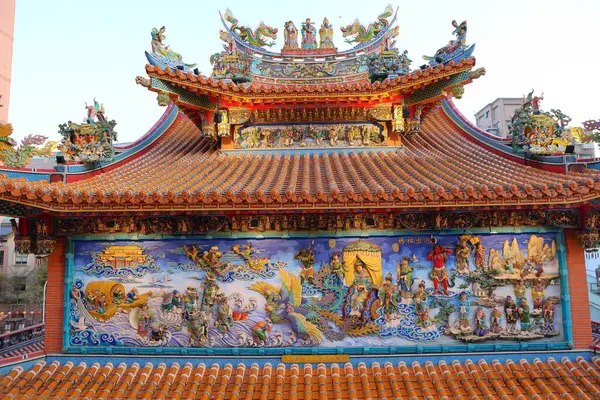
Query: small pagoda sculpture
<point x="91" y="141"/>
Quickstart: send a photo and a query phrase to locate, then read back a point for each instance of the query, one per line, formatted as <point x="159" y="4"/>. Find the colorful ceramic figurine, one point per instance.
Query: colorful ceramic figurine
<point x="421" y="308"/>
<point x="479" y="256"/>
<point x="463" y="252"/>
<point x="510" y="309"/>
<point x="290" y="36"/>
<point x="132" y="295"/>
<point x="524" y="316"/>
<point x="538" y="291"/>
<point x="260" y="331"/>
<point x="387" y="295"/>
<point x="118" y="296"/>
<point x="362" y="284"/>
<point x="438" y="256"/>
<point x="307" y="260"/>
<point x="326" y="35"/>
<point x="495" y="319"/>
<point x="548" y="314"/>
<point x="309" y="35"/>
<point x="480" y="323"/>
<point x="520" y="290"/>
<point x="336" y="268"/>
<point x="464" y="306"/>
<point x="404" y="272"/>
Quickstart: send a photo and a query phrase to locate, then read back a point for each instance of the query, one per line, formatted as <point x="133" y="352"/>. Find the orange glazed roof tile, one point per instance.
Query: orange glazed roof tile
<point x="552" y="379"/>
<point x="436" y="168"/>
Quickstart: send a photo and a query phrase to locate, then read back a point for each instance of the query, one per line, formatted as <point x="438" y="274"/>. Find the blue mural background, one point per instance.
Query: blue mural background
<point x="167" y="268"/>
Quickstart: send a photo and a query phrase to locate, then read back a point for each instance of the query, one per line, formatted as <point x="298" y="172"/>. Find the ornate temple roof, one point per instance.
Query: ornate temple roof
<point x="519" y="379"/>
<point x="264" y="93"/>
<point x="181" y="170"/>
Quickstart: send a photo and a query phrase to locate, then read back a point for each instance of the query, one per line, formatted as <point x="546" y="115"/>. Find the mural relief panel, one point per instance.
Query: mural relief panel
<point x="343" y="292"/>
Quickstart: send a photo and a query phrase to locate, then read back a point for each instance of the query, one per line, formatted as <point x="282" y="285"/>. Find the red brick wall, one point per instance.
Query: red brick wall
<point x="55" y="292"/>
<point x="578" y="290"/>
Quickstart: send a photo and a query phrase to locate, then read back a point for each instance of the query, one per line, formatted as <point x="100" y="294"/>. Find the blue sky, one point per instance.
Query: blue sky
<point x="68" y="51"/>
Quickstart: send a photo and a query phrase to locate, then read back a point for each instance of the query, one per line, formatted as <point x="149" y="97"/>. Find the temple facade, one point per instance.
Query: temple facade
<point x="297" y="213"/>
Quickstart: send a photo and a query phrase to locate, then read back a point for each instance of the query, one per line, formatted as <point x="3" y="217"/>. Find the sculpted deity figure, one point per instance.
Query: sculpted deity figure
<point x="326" y="35"/>
<point x="290" y="36"/>
<point x="158" y="47"/>
<point x="309" y="35"/>
<point x="439" y="256"/>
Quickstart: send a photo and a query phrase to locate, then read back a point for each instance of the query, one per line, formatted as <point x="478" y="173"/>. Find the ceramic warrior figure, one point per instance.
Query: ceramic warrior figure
<point x="326" y="35"/>
<point x="290" y="36"/>
<point x="309" y="35"/>
<point x="438" y="255"/>
<point x="510" y="310"/>
<point x="495" y="318"/>
<point x="464" y="306"/>
<point x="307" y="259"/>
<point x="480" y="323"/>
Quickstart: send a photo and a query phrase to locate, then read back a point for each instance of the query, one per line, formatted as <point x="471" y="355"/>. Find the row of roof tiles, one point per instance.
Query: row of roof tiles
<point x="342" y="87"/>
<point x="437" y="167"/>
<point x="552" y="379"/>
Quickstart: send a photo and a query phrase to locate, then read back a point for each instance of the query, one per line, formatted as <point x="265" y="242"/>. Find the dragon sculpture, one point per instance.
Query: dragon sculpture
<point x="360" y="34"/>
<point x="19" y="156"/>
<point x="255" y="38"/>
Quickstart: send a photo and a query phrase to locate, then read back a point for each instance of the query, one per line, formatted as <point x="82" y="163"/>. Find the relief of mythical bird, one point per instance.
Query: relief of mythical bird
<point x="283" y="304"/>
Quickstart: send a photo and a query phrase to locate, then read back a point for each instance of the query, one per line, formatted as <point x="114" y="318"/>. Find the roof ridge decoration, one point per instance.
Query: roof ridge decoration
<point x="162" y="53"/>
<point x="540" y="132"/>
<point x="12" y="155"/>
<point x="91" y="141"/>
<point x="455" y="49"/>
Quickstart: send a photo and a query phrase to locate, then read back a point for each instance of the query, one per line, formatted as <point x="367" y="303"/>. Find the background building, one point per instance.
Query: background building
<point x="494" y="117"/>
<point x="7" y="26"/>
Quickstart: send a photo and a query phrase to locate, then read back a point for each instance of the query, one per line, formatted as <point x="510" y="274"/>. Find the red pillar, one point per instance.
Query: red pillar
<point x="578" y="291"/>
<point x="55" y="293"/>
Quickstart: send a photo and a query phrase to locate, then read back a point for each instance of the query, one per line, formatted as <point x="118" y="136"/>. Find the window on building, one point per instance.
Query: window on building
<point x="1" y="258"/>
<point x="487" y="114"/>
<point x="20" y="284"/>
<point x="21" y="259"/>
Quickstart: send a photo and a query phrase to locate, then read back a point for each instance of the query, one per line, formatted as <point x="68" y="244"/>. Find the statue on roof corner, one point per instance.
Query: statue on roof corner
<point x="455" y="50"/>
<point x="360" y="34"/>
<point x="162" y="54"/>
<point x="254" y="37"/>
<point x="91" y="141"/>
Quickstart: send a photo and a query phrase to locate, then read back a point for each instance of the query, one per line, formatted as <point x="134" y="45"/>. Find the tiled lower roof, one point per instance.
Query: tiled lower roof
<point x="437" y="168"/>
<point x="551" y="379"/>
